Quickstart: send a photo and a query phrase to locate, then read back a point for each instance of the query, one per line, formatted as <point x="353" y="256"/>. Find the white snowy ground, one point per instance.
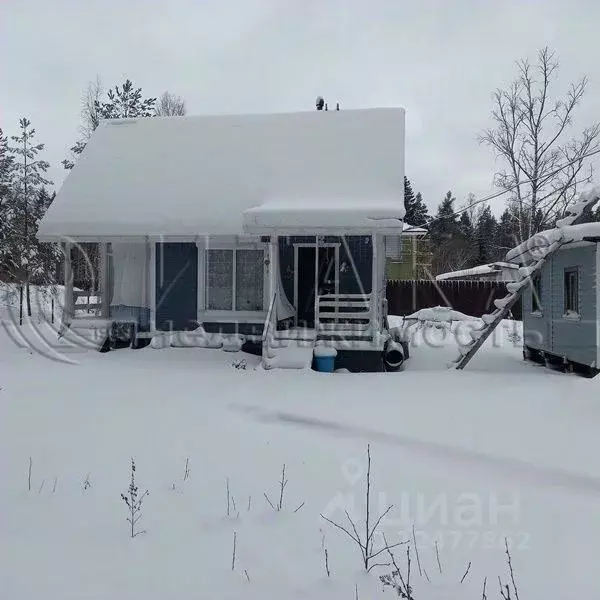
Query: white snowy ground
<point x="502" y="449"/>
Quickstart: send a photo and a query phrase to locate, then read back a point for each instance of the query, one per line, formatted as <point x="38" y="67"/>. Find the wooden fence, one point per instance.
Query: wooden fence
<point x="473" y="298"/>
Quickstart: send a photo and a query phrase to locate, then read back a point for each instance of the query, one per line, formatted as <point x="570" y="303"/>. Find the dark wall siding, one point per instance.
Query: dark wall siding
<point x="360" y="249"/>
<point x="176" y="286"/>
<point x="228" y="328"/>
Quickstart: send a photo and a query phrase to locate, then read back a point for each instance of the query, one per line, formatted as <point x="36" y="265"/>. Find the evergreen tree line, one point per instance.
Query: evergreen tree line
<point x="468" y="235"/>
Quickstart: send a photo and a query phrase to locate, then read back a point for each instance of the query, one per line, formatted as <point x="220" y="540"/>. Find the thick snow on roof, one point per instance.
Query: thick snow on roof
<point x="534" y="247"/>
<point x="377" y="214"/>
<point x="409" y="229"/>
<point x="196" y="175"/>
<point x="479" y="270"/>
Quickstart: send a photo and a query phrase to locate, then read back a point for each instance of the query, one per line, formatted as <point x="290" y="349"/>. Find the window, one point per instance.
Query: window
<point x="249" y="276"/>
<point x="234" y="279"/>
<point x="219" y="282"/>
<point x="536" y="295"/>
<point x="571" y="291"/>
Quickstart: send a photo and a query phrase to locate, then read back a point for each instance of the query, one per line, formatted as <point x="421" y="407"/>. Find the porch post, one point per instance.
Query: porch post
<point x="273" y="265"/>
<point x="68" y="305"/>
<point x="375" y="300"/>
<point x="316" y="309"/>
<point x="103" y="276"/>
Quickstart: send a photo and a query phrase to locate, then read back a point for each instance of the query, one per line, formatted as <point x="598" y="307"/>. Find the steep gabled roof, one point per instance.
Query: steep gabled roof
<point x="196" y="175"/>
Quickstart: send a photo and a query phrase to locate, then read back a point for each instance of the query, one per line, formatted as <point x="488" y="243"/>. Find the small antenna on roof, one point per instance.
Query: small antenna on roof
<point x="320" y="102"/>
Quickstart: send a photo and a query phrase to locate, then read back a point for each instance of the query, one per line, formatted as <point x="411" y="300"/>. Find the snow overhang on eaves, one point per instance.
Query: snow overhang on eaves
<point x="303" y="217"/>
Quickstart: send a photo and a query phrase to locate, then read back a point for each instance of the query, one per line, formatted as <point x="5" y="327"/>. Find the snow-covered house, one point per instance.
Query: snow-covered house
<point x="242" y="228"/>
<point x="561" y="310"/>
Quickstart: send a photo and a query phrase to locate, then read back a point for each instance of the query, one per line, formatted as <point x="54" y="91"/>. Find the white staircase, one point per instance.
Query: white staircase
<point x="533" y="253"/>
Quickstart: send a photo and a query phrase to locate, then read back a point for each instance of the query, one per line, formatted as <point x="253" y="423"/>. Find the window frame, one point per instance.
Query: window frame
<point x="537" y="307"/>
<point x="205" y="288"/>
<point x="568" y="274"/>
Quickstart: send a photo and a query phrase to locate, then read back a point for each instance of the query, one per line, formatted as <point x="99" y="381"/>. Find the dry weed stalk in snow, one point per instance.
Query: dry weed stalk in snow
<point x="234" y="549"/>
<point x="282" y="484"/>
<point x="395" y="579"/>
<point x="505" y="589"/>
<point x="366" y="544"/>
<point x="134" y="501"/>
<point x="230" y="501"/>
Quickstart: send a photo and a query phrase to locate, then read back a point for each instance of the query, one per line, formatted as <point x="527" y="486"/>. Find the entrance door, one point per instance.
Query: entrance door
<point x="325" y="280"/>
<point x="176" y="286"/>
<point x="305" y="274"/>
<point x="328" y="271"/>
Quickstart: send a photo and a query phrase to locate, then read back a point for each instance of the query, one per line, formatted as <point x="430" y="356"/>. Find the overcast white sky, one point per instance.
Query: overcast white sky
<point x="440" y="59"/>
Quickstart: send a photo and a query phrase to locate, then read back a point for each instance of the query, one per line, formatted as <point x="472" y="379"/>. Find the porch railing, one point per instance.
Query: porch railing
<point x="346" y="313"/>
<point x="86" y="304"/>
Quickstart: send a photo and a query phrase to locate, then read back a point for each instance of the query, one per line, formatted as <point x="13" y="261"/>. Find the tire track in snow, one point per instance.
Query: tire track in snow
<point x="510" y="468"/>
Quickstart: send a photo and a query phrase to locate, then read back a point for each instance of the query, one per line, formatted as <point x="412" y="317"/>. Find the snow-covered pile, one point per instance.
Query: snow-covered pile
<point x="439" y="314"/>
<point x="479" y="270"/>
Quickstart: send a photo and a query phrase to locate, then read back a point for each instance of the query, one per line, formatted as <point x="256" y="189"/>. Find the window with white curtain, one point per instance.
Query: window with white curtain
<point x="235" y="279"/>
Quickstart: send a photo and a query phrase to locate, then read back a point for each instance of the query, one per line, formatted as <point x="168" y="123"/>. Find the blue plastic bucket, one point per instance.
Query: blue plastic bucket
<point x="325" y="364"/>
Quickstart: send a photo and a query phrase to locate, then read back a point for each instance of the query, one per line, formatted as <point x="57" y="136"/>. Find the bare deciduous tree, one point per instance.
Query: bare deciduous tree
<point x="543" y="162"/>
<point x="170" y="105"/>
<point x="90" y="119"/>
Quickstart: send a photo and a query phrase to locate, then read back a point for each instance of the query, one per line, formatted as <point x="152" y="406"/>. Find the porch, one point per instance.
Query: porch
<point x="282" y="288"/>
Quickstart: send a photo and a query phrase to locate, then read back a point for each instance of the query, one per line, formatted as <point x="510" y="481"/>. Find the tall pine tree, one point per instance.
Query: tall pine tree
<point x="29" y="179"/>
<point x="120" y="103"/>
<point x="416" y="210"/>
<point x="449" y="251"/>
<point x="6" y="179"/>
<point x="467" y="235"/>
<point x="126" y="103"/>
<point x="445" y="222"/>
<point x="486" y="230"/>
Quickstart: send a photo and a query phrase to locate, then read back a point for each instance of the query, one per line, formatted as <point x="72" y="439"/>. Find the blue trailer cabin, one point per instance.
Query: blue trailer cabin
<point x="560" y="311"/>
<point x="266" y="231"/>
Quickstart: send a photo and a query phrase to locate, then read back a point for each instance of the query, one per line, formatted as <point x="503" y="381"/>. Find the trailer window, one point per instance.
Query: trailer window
<point x="571" y="290"/>
<point x="536" y="295"/>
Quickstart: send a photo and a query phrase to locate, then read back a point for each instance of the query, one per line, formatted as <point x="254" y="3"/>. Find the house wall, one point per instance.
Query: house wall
<point x="172" y="276"/>
<point x="414" y="262"/>
<point x="128" y="283"/>
<point x="550" y="330"/>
